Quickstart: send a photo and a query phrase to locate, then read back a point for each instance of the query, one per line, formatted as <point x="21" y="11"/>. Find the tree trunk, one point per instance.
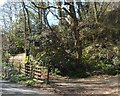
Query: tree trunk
<point x="78" y="42"/>
<point x="40" y="12"/>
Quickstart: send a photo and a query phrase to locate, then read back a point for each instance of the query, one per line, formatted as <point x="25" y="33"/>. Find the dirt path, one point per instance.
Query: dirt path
<point x="94" y="85"/>
<point x="59" y="86"/>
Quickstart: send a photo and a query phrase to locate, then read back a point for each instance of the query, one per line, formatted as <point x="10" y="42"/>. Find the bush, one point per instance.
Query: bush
<point x="14" y="78"/>
<point x="22" y="78"/>
<point x="18" y="78"/>
<point x="107" y="69"/>
<point x="30" y="82"/>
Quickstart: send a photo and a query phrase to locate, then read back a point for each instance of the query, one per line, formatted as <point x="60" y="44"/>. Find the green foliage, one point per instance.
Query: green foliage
<point x="14" y="79"/>
<point x="107" y="69"/>
<point x="30" y="82"/>
<point x="21" y="78"/>
<point x="8" y="70"/>
<point x="55" y="70"/>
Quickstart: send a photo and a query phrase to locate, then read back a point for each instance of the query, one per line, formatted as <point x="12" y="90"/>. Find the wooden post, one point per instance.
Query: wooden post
<point x="48" y="71"/>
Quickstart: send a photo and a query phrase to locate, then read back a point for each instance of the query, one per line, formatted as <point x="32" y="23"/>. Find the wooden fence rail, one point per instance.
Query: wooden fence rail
<point x="36" y="72"/>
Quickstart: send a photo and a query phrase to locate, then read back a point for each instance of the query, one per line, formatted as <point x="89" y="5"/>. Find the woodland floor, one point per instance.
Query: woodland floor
<point x="97" y="85"/>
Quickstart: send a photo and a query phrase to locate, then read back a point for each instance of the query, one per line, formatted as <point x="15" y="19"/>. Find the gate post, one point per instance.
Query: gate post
<point x="48" y="71"/>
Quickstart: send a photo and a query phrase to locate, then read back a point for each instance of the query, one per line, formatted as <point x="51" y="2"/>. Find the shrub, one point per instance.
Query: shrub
<point x="30" y="82"/>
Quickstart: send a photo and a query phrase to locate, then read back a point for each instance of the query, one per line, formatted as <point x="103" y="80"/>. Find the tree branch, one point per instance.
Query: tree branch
<point x="55" y="7"/>
<point x="104" y="10"/>
<point x="56" y="15"/>
<point x="31" y="8"/>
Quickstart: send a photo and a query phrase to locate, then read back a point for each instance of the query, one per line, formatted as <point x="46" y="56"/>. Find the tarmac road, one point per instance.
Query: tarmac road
<point x="10" y="89"/>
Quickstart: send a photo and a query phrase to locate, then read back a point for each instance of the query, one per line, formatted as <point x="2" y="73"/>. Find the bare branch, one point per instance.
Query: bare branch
<point x="104" y="10"/>
<point x="48" y="7"/>
<point x="56" y="15"/>
<point x="31" y="8"/>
